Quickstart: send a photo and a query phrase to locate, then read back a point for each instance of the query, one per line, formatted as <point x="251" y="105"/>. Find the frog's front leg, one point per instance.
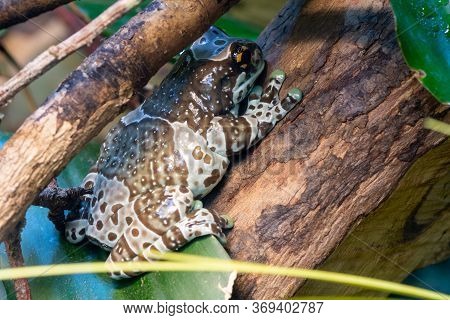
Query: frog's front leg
<point x="229" y="134"/>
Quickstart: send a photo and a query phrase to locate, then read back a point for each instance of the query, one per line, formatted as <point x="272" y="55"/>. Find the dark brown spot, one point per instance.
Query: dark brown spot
<point x="116" y="207"/>
<point x="197" y="153"/>
<point x="197" y="233"/>
<point x="207" y="159"/>
<point x="103" y="207"/>
<point x="145" y="245"/>
<point x="91" y="220"/>
<point x="224" y="165"/>
<point x="200" y="170"/>
<point x="99" y="225"/>
<point x="135" y="232"/>
<point x="184" y="189"/>
<point x="88" y="185"/>
<point x="115" y="218"/>
<point x="112" y="236"/>
<point x="129" y="220"/>
<point x="100" y="195"/>
<point x="215" y="176"/>
<point x="82" y="231"/>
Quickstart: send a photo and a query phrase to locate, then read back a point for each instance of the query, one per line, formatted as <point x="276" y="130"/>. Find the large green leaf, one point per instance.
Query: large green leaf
<point x="43" y="245"/>
<point x="423" y="30"/>
<point x="3" y="294"/>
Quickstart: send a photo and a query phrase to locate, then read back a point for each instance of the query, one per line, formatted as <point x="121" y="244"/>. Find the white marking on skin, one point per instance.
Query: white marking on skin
<point x="253" y="123"/>
<point x="134" y="116"/>
<point x="185" y="141"/>
<point x="151" y="171"/>
<point x="216" y="137"/>
<point x="114" y="192"/>
<point x="228" y="288"/>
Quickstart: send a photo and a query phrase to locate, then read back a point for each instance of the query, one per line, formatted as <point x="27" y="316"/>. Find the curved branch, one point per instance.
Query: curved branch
<point x="93" y="95"/>
<point x="16" y="11"/>
<point x="54" y="54"/>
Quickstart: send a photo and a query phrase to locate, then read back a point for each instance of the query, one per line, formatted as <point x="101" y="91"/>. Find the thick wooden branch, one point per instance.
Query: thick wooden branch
<point x="15" y="259"/>
<point x="300" y="192"/>
<point x="93" y="95"/>
<point x="16" y="11"/>
<point x="54" y="54"/>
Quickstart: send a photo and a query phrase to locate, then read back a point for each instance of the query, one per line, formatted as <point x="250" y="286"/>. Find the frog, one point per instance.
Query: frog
<point x="161" y="159"/>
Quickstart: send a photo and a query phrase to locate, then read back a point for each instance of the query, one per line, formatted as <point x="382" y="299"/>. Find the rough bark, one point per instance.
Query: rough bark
<point x="93" y="95"/>
<point x="16" y="11"/>
<point x="50" y="57"/>
<point x="15" y="258"/>
<point x="297" y="195"/>
<point x="408" y="231"/>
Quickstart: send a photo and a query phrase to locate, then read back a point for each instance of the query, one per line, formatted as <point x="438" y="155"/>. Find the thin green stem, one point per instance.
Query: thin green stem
<point x="436" y="125"/>
<point x="183" y="262"/>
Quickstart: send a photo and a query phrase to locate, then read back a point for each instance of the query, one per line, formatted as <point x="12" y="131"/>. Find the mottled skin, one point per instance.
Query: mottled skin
<point x="173" y="150"/>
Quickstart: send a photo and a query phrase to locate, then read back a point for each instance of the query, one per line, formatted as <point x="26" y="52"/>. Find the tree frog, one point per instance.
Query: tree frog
<point x="163" y="157"/>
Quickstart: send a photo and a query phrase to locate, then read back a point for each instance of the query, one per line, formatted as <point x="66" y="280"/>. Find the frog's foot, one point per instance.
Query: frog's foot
<point x="198" y="223"/>
<point x="76" y="225"/>
<point x="267" y="107"/>
<point x="76" y="230"/>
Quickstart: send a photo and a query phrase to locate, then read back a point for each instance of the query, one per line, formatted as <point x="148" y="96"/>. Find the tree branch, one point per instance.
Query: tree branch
<point x="16" y="11"/>
<point x="13" y="250"/>
<point x="93" y="95"/>
<point x="54" y="54"/>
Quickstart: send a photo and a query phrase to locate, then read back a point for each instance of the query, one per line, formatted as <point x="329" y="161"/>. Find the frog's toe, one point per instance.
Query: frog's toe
<point x="272" y="90"/>
<point x="196" y="204"/>
<point x="228" y="222"/>
<point x="293" y="97"/>
<point x="277" y="75"/>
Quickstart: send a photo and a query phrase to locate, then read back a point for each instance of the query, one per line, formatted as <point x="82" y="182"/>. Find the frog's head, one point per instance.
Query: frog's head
<point x="223" y="69"/>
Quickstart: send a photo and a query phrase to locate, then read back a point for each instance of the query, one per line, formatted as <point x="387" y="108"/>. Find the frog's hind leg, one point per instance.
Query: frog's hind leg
<point x="153" y="216"/>
<point x="199" y="222"/>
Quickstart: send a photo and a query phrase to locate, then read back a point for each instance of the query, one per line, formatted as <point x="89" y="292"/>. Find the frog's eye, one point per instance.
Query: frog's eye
<point x="242" y="56"/>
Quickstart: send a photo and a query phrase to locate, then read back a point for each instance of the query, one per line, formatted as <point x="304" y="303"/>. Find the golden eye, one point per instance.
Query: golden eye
<point x="242" y="56"/>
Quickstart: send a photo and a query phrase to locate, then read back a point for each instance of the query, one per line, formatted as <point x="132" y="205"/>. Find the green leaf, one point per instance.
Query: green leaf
<point x="3" y="294"/>
<point x="43" y="245"/>
<point x="423" y="30"/>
